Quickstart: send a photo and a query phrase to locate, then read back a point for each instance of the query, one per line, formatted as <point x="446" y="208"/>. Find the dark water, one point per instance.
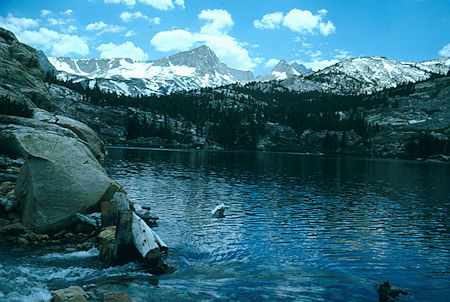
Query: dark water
<point x="308" y="228"/>
<point x="297" y="227"/>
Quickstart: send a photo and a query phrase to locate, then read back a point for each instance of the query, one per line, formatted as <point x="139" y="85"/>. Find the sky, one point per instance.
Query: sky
<point x="244" y="34"/>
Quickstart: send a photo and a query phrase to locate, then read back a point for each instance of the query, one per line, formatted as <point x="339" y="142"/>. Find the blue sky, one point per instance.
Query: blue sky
<point x="245" y="34"/>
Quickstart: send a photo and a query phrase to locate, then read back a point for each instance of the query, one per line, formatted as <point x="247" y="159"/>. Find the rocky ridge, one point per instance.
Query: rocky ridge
<point x="200" y="68"/>
<point x="284" y="70"/>
<point x="365" y="75"/>
<point x="183" y="71"/>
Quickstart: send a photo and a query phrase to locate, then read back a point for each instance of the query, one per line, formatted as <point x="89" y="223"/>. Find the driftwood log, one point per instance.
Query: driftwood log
<point x="133" y="238"/>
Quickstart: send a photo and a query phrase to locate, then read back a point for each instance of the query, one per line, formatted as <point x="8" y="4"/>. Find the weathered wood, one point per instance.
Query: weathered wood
<point x="122" y="201"/>
<point x="106" y="246"/>
<point x="124" y="249"/>
<point x="144" y="214"/>
<point x="162" y="245"/>
<point x="109" y="213"/>
<point x="144" y="239"/>
<point x="87" y="219"/>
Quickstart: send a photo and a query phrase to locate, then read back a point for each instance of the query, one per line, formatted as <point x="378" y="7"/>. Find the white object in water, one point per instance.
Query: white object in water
<point x="218" y="211"/>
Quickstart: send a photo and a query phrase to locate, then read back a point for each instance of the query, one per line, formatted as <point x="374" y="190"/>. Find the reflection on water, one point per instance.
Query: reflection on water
<point x="297" y="227"/>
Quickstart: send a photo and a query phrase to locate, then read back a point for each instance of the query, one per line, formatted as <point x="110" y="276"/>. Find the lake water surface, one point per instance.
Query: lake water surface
<point x="309" y="228"/>
<point x="297" y="227"/>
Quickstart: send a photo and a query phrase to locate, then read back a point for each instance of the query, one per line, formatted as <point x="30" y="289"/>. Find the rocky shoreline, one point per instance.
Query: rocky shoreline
<point x="52" y="179"/>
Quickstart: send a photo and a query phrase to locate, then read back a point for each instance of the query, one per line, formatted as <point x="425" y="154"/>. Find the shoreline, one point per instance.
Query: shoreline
<point x="319" y="154"/>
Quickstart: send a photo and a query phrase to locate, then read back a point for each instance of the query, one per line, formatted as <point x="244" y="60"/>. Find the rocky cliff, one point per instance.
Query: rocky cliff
<point x="61" y="173"/>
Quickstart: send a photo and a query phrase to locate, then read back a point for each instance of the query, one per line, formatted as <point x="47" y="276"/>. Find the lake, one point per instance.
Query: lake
<point x="297" y="227"/>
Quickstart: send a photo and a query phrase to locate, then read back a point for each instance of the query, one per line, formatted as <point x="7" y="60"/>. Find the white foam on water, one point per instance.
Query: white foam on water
<point x="93" y="252"/>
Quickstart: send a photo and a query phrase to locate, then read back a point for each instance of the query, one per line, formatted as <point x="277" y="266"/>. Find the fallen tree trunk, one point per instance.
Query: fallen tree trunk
<point x="87" y="219"/>
<point x="134" y="239"/>
<point x="144" y="239"/>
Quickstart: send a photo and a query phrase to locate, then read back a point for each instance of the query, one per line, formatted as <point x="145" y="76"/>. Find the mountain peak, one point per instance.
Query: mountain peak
<point x="300" y="68"/>
<point x="202" y="58"/>
<point x="282" y="66"/>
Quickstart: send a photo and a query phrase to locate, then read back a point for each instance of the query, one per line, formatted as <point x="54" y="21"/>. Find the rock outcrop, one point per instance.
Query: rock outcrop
<point x="61" y="174"/>
<point x="21" y="76"/>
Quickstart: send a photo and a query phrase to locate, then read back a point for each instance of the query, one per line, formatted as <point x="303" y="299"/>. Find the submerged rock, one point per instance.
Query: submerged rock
<point x="387" y="293"/>
<point x="218" y="211"/>
<point x="116" y="297"/>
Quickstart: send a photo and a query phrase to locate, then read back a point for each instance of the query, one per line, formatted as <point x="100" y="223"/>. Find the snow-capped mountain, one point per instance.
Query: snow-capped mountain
<point x="197" y="68"/>
<point x="366" y="75"/>
<point x="200" y="67"/>
<point x="283" y="70"/>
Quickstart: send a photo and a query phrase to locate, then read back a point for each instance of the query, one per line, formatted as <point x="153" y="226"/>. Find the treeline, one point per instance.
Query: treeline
<point x="424" y="145"/>
<point x="235" y="115"/>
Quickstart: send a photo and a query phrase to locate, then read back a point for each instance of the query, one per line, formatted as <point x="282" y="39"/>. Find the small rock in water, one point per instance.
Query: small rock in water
<point x="116" y="297"/>
<point x="218" y="211"/>
<point x="74" y="293"/>
<point x="386" y="293"/>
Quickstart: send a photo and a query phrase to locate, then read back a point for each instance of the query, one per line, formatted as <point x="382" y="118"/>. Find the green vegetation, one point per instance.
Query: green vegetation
<point x="235" y="116"/>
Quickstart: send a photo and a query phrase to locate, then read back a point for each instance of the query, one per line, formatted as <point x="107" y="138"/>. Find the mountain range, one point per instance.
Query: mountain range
<point x="201" y="68"/>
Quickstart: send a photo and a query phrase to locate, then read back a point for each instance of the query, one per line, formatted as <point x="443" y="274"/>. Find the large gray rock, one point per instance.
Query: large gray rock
<point x="21" y="76"/>
<point x="83" y="132"/>
<point x="60" y="177"/>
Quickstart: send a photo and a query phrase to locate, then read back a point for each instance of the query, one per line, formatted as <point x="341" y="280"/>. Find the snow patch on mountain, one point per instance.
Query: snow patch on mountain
<point x="284" y="70"/>
<point x="366" y="75"/>
<point x="194" y="69"/>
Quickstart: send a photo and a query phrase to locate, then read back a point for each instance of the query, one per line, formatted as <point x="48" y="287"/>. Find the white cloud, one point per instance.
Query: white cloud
<point x="342" y="54"/>
<point x="68" y="44"/>
<point x="125" y="50"/>
<point x="318" y="64"/>
<point x="173" y="40"/>
<point x="96" y="26"/>
<point x="17" y="25"/>
<point x="269" y="21"/>
<point x="301" y="21"/>
<point x="54" y="21"/>
<point x="156" y="20"/>
<point x="126" y="2"/>
<point x="180" y="3"/>
<point x="229" y="51"/>
<point x="130" y="33"/>
<point x="58" y="44"/>
<point x="70" y="29"/>
<point x="45" y="12"/>
<point x="271" y="63"/>
<point x="219" y="21"/>
<point x="128" y="17"/>
<point x="68" y="12"/>
<point x="297" y="20"/>
<point x="159" y="4"/>
<point x="102" y="27"/>
<point x="213" y="34"/>
<point x="445" y="51"/>
<point x="315" y="54"/>
<point x="327" y="28"/>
